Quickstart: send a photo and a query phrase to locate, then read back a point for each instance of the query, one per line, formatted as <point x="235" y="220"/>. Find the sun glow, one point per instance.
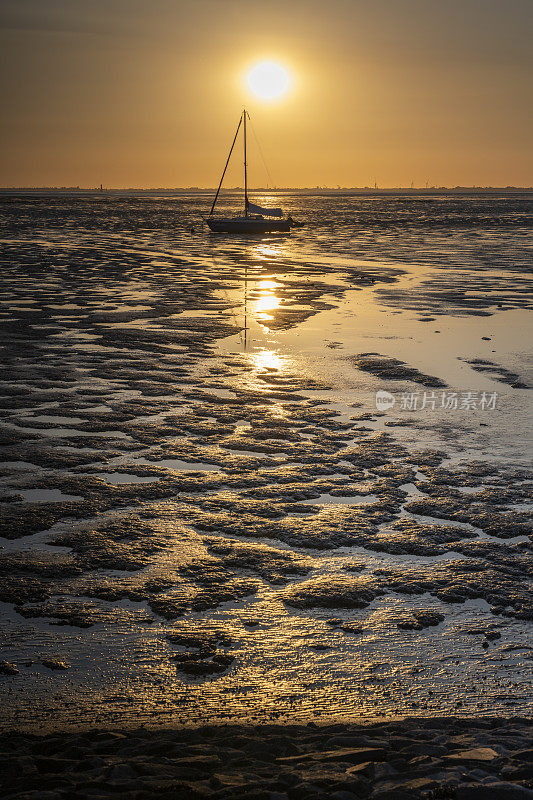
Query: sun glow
<point x="267" y="360"/>
<point x="266" y="302"/>
<point x="268" y="80"/>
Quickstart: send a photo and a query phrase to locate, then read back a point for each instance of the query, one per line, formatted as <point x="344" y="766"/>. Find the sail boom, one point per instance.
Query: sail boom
<point x="265" y="212"/>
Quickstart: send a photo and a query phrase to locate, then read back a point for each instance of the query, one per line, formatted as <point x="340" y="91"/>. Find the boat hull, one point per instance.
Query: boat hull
<point x="247" y="225"/>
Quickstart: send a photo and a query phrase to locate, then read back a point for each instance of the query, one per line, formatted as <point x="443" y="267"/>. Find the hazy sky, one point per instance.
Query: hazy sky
<point x="148" y="92"/>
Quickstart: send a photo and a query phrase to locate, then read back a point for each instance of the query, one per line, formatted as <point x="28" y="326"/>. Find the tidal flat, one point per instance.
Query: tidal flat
<point x="206" y="518"/>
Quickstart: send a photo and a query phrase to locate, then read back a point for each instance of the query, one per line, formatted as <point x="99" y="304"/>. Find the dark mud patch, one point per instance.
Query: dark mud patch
<point x="126" y="543"/>
<point x="499" y="373"/>
<point x="458" y="290"/>
<point x="420" y="619"/>
<point x="39" y="562"/>
<point x="331" y="527"/>
<point x="7" y="668"/>
<point x="80" y="614"/>
<point x="389" y="368"/>
<point x="459" y="580"/>
<point x="275" y="566"/>
<point x="96" y="496"/>
<point x="406" y="536"/>
<point x="332" y="593"/>
<point x="502" y="524"/>
<point x="213" y="593"/>
<point x="54" y="664"/>
<point x="203" y="649"/>
<point x="17" y="589"/>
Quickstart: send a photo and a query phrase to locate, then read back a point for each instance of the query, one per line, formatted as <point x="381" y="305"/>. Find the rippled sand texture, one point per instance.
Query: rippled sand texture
<point x="203" y="514"/>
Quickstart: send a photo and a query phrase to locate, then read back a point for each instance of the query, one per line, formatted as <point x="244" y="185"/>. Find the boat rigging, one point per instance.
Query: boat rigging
<point x="255" y="219"/>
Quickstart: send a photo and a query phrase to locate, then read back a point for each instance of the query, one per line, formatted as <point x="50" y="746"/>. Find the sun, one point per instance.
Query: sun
<point x="268" y="80"/>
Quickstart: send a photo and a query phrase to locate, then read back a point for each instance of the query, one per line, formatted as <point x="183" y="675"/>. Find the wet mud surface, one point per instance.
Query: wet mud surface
<point x="204" y="520"/>
<point x="393" y="369"/>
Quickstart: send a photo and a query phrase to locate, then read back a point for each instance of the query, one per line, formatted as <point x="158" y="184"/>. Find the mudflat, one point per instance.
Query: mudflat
<point x="273" y="479"/>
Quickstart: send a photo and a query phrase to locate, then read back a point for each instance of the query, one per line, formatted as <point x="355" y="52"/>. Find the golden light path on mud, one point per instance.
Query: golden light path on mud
<point x="269" y="360"/>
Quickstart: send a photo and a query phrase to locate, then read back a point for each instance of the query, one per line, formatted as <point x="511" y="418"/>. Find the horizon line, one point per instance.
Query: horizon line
<point x="232" y="189"/>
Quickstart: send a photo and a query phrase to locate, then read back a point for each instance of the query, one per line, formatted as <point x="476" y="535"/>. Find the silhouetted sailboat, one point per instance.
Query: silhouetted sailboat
<point x="255" y="218"/>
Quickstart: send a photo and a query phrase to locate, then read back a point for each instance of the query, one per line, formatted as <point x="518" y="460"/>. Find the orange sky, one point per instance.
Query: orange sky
<point x="140" y="93"/>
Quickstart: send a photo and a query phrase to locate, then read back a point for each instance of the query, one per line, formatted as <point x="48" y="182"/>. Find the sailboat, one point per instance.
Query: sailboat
<point x="255" y="219"/>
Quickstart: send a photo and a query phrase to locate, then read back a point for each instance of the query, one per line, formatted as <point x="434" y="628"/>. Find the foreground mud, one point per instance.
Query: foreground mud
<point x="439" y="759"/>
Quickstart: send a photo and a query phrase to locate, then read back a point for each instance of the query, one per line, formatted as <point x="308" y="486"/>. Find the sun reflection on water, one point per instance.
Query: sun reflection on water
<point x="264" y="251"/>
<point x="267" y="360"/>
<point x="265" y="284"/>
<point x="264" y="299"/>
<point x="266" y="303"/>
<point x="268" y="368"/>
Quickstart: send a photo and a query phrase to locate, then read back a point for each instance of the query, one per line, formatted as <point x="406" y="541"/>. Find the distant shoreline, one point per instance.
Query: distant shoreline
<point x="364" y="191"/>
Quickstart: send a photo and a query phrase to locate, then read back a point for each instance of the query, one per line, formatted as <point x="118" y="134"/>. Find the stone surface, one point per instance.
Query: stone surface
<point x="494" y="791"/>
<point x="477" y="754"/>
<point x="273" y="761"/>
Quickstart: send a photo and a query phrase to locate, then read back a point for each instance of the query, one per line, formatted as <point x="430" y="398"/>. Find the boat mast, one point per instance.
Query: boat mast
<point x="225" y="168"/>
<point x="245" y="169"/>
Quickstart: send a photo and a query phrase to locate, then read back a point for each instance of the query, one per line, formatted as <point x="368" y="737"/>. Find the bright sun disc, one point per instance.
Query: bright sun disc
<point x="268" y="80"/>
